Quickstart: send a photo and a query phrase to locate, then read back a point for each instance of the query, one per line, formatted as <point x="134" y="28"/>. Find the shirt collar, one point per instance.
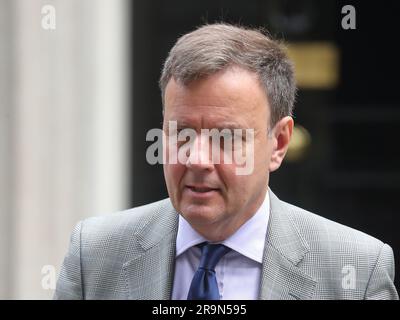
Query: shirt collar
<point x="248" y="240"/>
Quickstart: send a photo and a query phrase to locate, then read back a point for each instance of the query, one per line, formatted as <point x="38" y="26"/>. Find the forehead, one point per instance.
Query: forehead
<point x="233" y="95"/>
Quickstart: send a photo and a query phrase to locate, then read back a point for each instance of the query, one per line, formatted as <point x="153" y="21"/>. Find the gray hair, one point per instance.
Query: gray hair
<point x="215" y="47"/>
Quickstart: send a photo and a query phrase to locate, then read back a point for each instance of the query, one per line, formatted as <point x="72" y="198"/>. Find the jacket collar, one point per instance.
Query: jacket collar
<point x="284" y="249"/>
<point x="149" y="276"/>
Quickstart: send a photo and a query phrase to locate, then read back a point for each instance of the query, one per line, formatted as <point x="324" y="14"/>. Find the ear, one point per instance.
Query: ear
<point x="281" y="135"/>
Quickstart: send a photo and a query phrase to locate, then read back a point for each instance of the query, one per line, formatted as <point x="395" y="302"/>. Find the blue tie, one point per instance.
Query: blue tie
<point x="204" y="285"/>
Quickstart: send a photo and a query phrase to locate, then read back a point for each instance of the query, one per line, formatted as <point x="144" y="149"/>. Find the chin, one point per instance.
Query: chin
<point x="200" y="214"/>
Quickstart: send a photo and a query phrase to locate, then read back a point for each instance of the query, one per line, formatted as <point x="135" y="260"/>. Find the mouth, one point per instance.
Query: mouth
<point x="201" y="191"/>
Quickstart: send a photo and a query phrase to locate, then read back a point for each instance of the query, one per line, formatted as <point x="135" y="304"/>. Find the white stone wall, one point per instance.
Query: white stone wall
<point x="64" y="130"/>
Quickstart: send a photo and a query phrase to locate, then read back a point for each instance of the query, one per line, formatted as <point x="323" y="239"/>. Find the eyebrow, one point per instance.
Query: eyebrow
<point x="230" y="126"/>
<point x="183" y="124"/>
<point x="223" y="125"/>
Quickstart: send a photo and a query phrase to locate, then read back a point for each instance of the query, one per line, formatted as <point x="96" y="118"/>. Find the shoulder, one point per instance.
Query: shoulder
<point x="356" y="264"/>
<point x="335" y="249"/>
<point x="125" y="227"/>
<point x="315" y="228"/>
<point x="101" y="246"/>
<point x="133" y="218"/>
<point x="320" y="231"/>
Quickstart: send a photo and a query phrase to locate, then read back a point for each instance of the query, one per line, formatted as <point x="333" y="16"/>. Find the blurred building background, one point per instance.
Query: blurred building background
<point x="64" y="131"/>
<point x="76" y="104"/>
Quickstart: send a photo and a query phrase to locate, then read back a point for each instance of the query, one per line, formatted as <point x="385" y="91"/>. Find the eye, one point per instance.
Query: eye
<point x="184" y="134"/>
<point x="225" y="138"/>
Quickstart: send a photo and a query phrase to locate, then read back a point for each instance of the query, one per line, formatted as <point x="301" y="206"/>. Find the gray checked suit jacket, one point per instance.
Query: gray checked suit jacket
<point x="130" y="255"/>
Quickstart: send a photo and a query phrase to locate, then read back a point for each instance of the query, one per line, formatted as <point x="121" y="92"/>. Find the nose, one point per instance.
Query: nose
<point x="199" y="157"/>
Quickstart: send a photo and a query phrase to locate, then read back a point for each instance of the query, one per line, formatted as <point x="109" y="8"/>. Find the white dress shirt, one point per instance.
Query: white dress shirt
<point x="238" y="272"/>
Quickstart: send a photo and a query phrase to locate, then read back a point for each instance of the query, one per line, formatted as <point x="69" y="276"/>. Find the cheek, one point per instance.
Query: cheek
<point x="237" y="186"/>
<point x="227" y="175"/>
<point x="173" y="174"/>
<point x="262" y="153"/>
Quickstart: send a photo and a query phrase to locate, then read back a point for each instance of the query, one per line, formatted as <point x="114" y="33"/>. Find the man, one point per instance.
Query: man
<point x="223" y="234"/>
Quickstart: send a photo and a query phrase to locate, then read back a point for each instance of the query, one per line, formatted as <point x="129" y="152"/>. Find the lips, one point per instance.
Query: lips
<point x="201" y="189"/>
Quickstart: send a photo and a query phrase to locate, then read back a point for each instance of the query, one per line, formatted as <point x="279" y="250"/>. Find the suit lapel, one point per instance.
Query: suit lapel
<point x="284" y="249"/>
<point x="149" y="276"/>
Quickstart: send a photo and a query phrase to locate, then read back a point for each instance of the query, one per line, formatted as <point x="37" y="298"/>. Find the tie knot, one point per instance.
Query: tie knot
<point x="211" y="254"/>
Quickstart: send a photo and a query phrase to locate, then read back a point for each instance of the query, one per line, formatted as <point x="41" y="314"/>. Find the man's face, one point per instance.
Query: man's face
<point x="212" y="196"/>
